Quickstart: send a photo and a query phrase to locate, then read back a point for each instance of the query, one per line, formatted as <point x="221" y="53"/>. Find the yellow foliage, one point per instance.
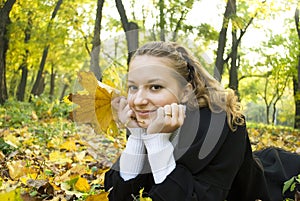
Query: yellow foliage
<point x="12" y="140"/>
<point x="13" y="195"/>
<point x="69" y="145"/>
<point x="99" y="197"/>
<point x="17" y="169"/>
<point x="76" y="170"/>
<point x="144" y="198"/>
<point x="54" y="142"/>
<point x="59" y="157"/>
<point x="82" y="185"/>
<point x="95" y="105"/>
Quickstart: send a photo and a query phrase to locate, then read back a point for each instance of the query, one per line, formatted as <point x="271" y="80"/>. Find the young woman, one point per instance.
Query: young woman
<point x="188" y="138"/>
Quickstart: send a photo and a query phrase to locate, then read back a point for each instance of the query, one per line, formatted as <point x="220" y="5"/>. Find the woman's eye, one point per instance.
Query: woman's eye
<point x="155" y="87"/>
<point x="132" y="88"/>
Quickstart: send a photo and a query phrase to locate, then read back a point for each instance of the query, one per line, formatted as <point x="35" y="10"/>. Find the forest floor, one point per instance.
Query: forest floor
<point x="53" y="159"/>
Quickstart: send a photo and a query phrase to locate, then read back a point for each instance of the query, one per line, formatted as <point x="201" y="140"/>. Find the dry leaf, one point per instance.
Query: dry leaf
<point x="17" y="169"/>
<point x="82" y="185"/>
<point x="144" y="198"/>
<point x="13" y="195"/>
<point x="59" y="157"/>
<point x="99" y="197"/>
<point x="95" y="105"/>
<point x="69" y="145"/>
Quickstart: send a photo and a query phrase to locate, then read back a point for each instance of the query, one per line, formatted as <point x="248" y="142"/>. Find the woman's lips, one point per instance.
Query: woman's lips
<point x="144" y="113"/>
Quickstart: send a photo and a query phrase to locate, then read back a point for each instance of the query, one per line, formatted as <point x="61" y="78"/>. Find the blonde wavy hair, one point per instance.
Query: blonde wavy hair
<point x="208" y="92"/>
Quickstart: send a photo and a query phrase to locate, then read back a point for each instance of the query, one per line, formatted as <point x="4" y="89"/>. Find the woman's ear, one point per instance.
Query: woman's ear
<point x="187" y="91"/>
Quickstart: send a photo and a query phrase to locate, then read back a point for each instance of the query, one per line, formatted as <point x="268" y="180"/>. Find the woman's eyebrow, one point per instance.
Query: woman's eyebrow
<point x="131" y="81"/>
<point x="154" y="80"/>
<point x="149" y="81"/>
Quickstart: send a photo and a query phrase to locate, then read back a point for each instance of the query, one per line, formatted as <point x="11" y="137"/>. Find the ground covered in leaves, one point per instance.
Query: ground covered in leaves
<point x="45" y="156"/>
<point x="69" y="166"/>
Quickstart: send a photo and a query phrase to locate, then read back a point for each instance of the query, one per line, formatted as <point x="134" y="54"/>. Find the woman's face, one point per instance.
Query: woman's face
<point x="151" y="84"/>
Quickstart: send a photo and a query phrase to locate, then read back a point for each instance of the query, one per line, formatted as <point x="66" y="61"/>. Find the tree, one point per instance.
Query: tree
<point x="130" y="29"/>
<point x="296" y="77"/>
<point x="238" y="24"/>
<point x="222" y="40"/>
<point x="24" y="65"/>
<point x="94" y="64"/>
<point x="162" y="20"/>
<point x="38" y="86"/>
<point x="4" y="22"/>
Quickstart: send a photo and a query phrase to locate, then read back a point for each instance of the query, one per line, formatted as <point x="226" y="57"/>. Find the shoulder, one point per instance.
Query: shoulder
<point x="203" y="135"/>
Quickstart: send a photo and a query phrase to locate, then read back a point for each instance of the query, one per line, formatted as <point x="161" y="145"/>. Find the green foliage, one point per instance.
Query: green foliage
<point x="17" y="114"/>
<point x="6" y="148"/>
<point x="291" y="184"/>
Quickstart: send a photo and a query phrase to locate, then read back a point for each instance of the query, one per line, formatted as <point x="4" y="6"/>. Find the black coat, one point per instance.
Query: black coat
<point x="212" y="164"/>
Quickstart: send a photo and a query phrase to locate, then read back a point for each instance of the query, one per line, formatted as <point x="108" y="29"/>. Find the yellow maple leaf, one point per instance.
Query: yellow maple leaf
<point x="59" y="157"/>
<point x="19" y="168"/>
<point x="12" y="140"/>
<point x="16" y="169"/>
<point x="99" y="197"/>
<point x="69" y="145"/>
<point x="82" y="185"/>
<point x="95" y="105"/>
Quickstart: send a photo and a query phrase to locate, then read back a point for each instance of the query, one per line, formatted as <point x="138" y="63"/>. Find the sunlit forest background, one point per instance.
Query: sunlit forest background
<point x="249" y="46"/>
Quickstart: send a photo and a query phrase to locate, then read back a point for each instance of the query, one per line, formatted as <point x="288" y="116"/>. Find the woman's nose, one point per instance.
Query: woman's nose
<point x="141" y="97"/>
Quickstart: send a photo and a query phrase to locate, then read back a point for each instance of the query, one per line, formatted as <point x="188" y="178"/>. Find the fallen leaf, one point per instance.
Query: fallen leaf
<point x="12" y="140"/>
<point x="144" y="198"/>
<point x="59" y="157"/>
<point x="99" y="197"/>
<point x="69" y="145"/>
<point x="13" y="195"/>
<point x="82" y="185"/>
<point x="16" y="169"/>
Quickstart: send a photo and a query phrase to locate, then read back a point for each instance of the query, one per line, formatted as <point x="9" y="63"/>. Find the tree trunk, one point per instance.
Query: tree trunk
<point x="65" y="87"/>
<point x="38" y="86"/>
<point x="22" y="85"/>
<point x="130" y="29"/>
<point x="274" y="113"/>
<point x="218" y="71"/>
<point x="162" y="21"/>
<point x="268" y="113"/>
<point x="52" y="82"/>
<point x="220" y="61"/>
<point x="24" y="66"/>
<point x="94" y="63"/>
<point x="4" y="22"/>
<point x="268" y="105"/>
<point x="13" y="84"/>
<point x="233" y="74"/>
<point x="296" y="79"/>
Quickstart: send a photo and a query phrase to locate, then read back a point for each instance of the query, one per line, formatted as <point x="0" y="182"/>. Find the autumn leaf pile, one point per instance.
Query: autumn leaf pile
<point x="46" y="156"/>
<point x="70" y="166"/>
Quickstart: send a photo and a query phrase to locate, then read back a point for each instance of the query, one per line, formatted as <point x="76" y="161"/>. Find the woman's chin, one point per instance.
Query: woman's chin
<point x="143" y="123"/>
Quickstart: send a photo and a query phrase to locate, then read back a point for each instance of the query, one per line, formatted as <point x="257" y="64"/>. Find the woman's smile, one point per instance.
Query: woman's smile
<point x="144" y="113"/>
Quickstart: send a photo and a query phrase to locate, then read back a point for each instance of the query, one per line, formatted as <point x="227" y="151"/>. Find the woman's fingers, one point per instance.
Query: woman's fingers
<point x="123" y="112"/>
<point x="168" y="119"/>
<point x="174" y="114"/>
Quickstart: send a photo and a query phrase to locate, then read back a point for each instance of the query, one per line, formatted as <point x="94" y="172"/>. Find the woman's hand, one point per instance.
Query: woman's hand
<point x="123" y="112"/>
<point x="168" y="119"/>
